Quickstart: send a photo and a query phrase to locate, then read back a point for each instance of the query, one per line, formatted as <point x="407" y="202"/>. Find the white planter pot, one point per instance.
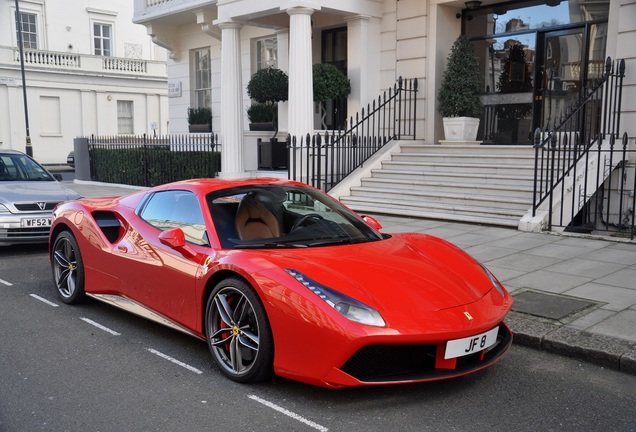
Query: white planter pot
<point x="461" y="128"/>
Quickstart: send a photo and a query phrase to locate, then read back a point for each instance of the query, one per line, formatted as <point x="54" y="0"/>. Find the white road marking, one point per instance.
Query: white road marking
<point x="5" y="282"/>
<point x="43" y="300"/>
<point x="101" y="327"/>
<point x="175" y="361"/>
<point x="289" y="413"/>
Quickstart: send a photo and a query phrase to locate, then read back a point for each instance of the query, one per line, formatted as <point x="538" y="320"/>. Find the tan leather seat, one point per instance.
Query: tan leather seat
<point x="254" y="221"/>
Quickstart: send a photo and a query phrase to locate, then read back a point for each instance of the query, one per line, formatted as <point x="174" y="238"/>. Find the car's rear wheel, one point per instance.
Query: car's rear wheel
<point x="68" y="268"/>
<point x="238" y="332"/>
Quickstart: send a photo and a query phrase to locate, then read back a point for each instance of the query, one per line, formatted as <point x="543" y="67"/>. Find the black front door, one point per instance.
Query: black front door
<point x="334" y="51"/>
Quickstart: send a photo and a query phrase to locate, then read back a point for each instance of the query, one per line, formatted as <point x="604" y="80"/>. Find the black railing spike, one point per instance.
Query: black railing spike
<point x="400" y="82"/>
<point x="537" y="138"/>
<point x="621" y="68"/>
<point x="608" y="66"/>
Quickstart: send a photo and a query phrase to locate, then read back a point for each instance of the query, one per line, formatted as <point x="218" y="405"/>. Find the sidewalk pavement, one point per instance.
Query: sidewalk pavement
<point x="574" y="295"/>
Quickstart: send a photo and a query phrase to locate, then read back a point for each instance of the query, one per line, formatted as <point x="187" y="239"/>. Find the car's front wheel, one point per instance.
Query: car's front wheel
<point x="238" y="332"/>
<point x="68" y="268"/>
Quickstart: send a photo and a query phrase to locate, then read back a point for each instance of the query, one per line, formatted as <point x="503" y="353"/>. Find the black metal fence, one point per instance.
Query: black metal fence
<point x="153" y="160"/>
<point x="579" y="165"/>
<point x="324" y="160"/>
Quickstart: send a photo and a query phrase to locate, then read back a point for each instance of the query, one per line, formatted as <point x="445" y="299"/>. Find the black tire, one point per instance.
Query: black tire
<point x="238" y="333"/>
<point x="68" y="268"/>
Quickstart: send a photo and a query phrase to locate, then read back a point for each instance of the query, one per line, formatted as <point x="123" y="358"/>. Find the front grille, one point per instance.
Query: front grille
<point x="391" y="363"/>
<point x="30" y="207"/>
<point x="25" y="232"/>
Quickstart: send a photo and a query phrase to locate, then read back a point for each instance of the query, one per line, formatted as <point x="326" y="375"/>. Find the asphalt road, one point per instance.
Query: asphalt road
<point x="95" y="368"/>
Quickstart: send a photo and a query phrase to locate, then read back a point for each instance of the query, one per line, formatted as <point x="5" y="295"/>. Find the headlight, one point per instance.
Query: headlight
<point x="350" y="308"/>
<point x="494" y="280"/>
<point x="3" y="209"/>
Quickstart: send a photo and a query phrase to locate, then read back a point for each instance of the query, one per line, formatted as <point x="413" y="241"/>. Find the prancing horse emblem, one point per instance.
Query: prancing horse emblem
<point x="469" y="316"/>
<point x="42" y="205"/>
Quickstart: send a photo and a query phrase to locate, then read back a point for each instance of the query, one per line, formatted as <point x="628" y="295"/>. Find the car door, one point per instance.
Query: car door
<point x="157" y="275"/>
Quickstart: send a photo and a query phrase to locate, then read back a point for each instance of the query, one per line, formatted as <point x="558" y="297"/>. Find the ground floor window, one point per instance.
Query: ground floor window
<point x="125" y="117"/>
<point x="266" y="53"/>
<point x="202" y="85"/>
<point x="536" y="60"/>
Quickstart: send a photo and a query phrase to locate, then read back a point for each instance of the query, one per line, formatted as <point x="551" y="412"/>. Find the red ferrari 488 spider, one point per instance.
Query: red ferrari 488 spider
<point x="280" y="278"/>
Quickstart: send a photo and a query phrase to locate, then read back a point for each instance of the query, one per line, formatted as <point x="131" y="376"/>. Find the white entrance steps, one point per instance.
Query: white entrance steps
<point x="487" y="184"/>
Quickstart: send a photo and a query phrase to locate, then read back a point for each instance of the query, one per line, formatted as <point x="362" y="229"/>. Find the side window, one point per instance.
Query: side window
<point x="176" y="209"/>
<point x="102" y="39"/>
<point x="27" y="24"/>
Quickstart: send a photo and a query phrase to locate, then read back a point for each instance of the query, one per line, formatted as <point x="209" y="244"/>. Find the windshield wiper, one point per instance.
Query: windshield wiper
<point x="267" y="245"/>
<point x="337" y="241"/>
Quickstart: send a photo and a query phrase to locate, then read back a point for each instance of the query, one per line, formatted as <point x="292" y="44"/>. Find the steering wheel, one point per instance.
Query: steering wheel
<point x="300" y="222"/>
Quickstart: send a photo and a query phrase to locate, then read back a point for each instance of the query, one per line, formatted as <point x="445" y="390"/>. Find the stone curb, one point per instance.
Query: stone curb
<point x="556" y="338"/>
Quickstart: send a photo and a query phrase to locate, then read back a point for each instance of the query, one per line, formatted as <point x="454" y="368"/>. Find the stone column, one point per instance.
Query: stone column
<point x="282" y="42"/>
<point x="232" y="165"/>
<point x="357" y="67"/>
<point x="301" y="120"/>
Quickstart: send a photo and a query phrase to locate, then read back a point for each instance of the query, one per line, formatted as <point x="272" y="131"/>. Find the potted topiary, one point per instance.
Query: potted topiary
<point x="267" y="87"/>
<point x="200" y="119"/>
<point x="459" y="95"/>
<point x="329" y="84"/>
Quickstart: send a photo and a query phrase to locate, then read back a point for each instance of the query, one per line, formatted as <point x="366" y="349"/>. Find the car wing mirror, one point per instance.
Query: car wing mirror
<point x="58" y="177"/>
<point x="372" y="222"/>
<point x="175" y="239"/>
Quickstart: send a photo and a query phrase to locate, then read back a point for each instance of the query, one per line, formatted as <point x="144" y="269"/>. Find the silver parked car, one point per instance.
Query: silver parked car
<point x="28" y="193"/>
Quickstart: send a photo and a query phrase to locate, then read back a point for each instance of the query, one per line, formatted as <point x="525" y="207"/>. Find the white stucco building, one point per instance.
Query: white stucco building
<point x="373" y="42"/>
<point x="88" y="70"/>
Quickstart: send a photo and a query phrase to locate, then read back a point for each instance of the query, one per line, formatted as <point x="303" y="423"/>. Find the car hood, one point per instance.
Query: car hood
<point x="23" y="191"/>
<point x="413" y="273"/>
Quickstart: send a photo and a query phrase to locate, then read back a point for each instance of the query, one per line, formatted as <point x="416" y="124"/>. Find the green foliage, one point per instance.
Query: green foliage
<point x="259" y="113"/>
<point x="515" y="77"/>
<point x="152" y="166"/>
<point x="201" y="115"/>
<point x="515" y="72"/>
<point x="268" y="86"/>
<point x="329" y="83"/>
<point x="461" y="88"/>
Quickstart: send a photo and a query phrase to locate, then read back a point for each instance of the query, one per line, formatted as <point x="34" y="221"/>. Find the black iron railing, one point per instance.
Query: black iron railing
<point x="153" y="160"/>
<point x="324" y="160"/>
<point x="579" y="166"/>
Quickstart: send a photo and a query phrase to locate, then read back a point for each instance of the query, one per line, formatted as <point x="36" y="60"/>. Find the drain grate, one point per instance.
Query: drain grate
<point x="552" y="306"/>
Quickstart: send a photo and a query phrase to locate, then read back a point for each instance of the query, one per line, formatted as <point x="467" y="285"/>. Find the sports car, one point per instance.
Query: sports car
<point x="28" y="193"/>
<point x="280" y="278"/>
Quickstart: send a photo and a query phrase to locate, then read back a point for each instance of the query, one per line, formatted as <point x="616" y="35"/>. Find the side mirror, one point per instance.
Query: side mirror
<point x="175" y="239"/>
<point x="58" y="177"/>
<point x="372" y="222"/>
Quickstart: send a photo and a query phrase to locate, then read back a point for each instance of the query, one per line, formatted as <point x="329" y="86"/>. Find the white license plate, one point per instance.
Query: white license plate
<point x="36" y="222"/>
<point x="471" y="344"/>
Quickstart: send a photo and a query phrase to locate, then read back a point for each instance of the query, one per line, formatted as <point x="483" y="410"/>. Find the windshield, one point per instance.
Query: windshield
<point x="20" y="167"/>
<point x="276" y="216"/>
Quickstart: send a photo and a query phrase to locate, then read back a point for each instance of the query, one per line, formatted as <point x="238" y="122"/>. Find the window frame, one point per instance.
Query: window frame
<point x="201" y="94"/>
<point x="265" y="57"/>
<point x="101" y="39"/>
<point x="124" y="120"/>
<point x="35" y="33"/>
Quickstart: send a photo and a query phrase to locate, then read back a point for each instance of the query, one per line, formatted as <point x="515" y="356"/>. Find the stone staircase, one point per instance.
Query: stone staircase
<point x="486" y="184"/>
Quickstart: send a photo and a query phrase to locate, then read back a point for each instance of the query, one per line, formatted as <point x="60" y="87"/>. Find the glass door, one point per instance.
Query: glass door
<point x="560" y="75"/>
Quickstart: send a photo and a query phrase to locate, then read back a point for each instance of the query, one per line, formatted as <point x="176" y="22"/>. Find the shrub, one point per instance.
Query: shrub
<point x="200" y="115"/>
<point x="459" y="94"/>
